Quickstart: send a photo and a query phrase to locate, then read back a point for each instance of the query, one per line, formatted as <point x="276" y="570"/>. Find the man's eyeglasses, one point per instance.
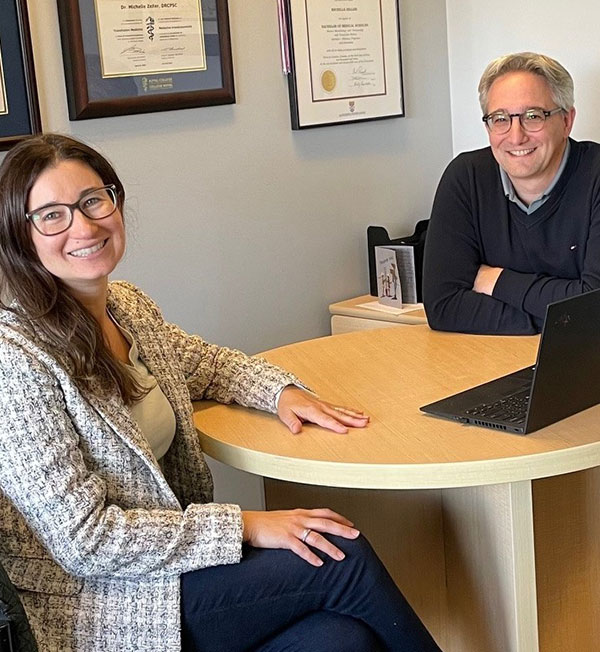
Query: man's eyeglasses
<point x="533" y="119"/>
<point x="96" y="204"/>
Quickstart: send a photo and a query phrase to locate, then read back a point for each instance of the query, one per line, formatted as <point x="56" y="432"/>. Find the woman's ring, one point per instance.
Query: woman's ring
<point x="305" y="534"/>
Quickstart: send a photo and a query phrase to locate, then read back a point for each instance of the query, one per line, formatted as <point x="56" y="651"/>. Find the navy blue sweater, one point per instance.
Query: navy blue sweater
<point x="549" y="255"/>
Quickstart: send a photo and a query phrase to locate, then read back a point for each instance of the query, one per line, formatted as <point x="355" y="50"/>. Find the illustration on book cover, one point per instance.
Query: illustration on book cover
<point x="396" y="279"/>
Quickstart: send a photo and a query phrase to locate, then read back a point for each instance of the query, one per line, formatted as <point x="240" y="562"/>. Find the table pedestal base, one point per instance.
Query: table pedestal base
<point x="467" y="559"/>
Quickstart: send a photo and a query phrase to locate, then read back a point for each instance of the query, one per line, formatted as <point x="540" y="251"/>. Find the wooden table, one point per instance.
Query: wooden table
<point x="494" y="538"/>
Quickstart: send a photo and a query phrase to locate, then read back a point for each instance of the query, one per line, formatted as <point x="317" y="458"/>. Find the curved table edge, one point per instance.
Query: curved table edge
<point x="404" y="476"/>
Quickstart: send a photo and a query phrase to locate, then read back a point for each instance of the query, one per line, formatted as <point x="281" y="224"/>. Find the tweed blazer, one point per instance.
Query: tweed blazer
<point x="94" y="533"/>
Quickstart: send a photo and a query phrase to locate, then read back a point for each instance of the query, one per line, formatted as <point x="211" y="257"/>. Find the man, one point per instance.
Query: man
<point x="515" y="226"/>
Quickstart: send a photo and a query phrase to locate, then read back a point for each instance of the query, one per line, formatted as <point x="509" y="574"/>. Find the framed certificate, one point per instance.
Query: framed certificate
<point x="126" y="57"/>
<point x="345" y="61"/>
<point x="19" y="109"/>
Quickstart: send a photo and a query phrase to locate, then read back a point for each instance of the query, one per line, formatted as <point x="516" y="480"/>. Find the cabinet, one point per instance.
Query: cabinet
<point x="347" y="316"/>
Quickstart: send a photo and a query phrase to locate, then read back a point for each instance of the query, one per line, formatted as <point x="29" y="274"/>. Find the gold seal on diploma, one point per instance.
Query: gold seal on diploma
<point x="328" y="80"/>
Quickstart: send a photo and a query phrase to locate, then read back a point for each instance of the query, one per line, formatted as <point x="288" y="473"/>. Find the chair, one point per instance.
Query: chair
<point x="15" y="633"/>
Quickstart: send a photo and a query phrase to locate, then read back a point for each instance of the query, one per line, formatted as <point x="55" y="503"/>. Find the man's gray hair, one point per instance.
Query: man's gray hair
<point x="557" y="78"/>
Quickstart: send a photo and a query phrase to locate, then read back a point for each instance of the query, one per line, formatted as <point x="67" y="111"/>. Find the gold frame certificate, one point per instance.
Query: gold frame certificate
<point x="3" y="101"/>
<point x="145" y="38"/>
<point x="346" y="62"/>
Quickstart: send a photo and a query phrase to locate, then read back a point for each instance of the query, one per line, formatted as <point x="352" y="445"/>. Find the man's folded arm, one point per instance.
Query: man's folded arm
<point x="533" y="292"/>
<point x="452" y="260"/>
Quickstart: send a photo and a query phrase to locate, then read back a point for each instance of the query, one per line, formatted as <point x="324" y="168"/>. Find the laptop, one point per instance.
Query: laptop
<point x="564" y="380"/>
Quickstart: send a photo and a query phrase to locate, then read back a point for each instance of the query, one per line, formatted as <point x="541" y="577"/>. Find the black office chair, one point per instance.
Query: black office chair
<point x="15" y="633"/>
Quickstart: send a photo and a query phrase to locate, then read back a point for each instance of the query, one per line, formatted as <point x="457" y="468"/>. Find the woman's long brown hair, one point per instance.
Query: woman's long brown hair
<point x="29" y="290"/>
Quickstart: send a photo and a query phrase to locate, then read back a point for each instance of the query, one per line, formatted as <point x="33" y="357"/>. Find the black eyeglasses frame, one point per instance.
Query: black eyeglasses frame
<point x="546" y="114"/>
<point x="76" y="205"/>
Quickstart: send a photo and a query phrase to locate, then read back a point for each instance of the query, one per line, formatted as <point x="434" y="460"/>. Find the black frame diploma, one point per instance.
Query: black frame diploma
<point x="345" y="61"/>
<point x="19" y="110"/>
<point x="140" y="56"/>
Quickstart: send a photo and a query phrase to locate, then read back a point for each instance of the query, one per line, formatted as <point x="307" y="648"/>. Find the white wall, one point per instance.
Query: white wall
<point x="241" y="229"/>
<point x="481" y="30"/>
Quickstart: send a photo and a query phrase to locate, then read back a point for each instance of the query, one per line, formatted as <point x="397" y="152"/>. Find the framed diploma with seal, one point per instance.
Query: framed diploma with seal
<point x="19" y="109"/>
<point x="139" y="56"/>
<point x="344" y="61"/>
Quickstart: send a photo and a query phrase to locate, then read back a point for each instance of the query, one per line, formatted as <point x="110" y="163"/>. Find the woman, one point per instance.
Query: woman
<point x="107" y="526"/>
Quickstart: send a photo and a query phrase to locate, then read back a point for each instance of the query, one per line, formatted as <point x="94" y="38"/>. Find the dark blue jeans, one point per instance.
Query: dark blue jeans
<point x="273" y="601"/>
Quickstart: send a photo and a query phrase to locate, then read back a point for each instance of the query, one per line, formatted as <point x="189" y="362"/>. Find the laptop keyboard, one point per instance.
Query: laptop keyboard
<point x="511" y="409"/>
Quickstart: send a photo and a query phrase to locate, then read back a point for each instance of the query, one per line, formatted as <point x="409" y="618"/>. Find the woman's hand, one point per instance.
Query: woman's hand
<point x="297" y="406"/>
<point x="296" y="530"/>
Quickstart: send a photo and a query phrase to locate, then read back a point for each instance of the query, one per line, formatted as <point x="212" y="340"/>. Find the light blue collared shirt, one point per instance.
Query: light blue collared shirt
<point x="509" y="189"/>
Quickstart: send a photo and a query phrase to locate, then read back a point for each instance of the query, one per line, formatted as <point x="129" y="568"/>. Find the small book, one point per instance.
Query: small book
<point x="396" y="276"/>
